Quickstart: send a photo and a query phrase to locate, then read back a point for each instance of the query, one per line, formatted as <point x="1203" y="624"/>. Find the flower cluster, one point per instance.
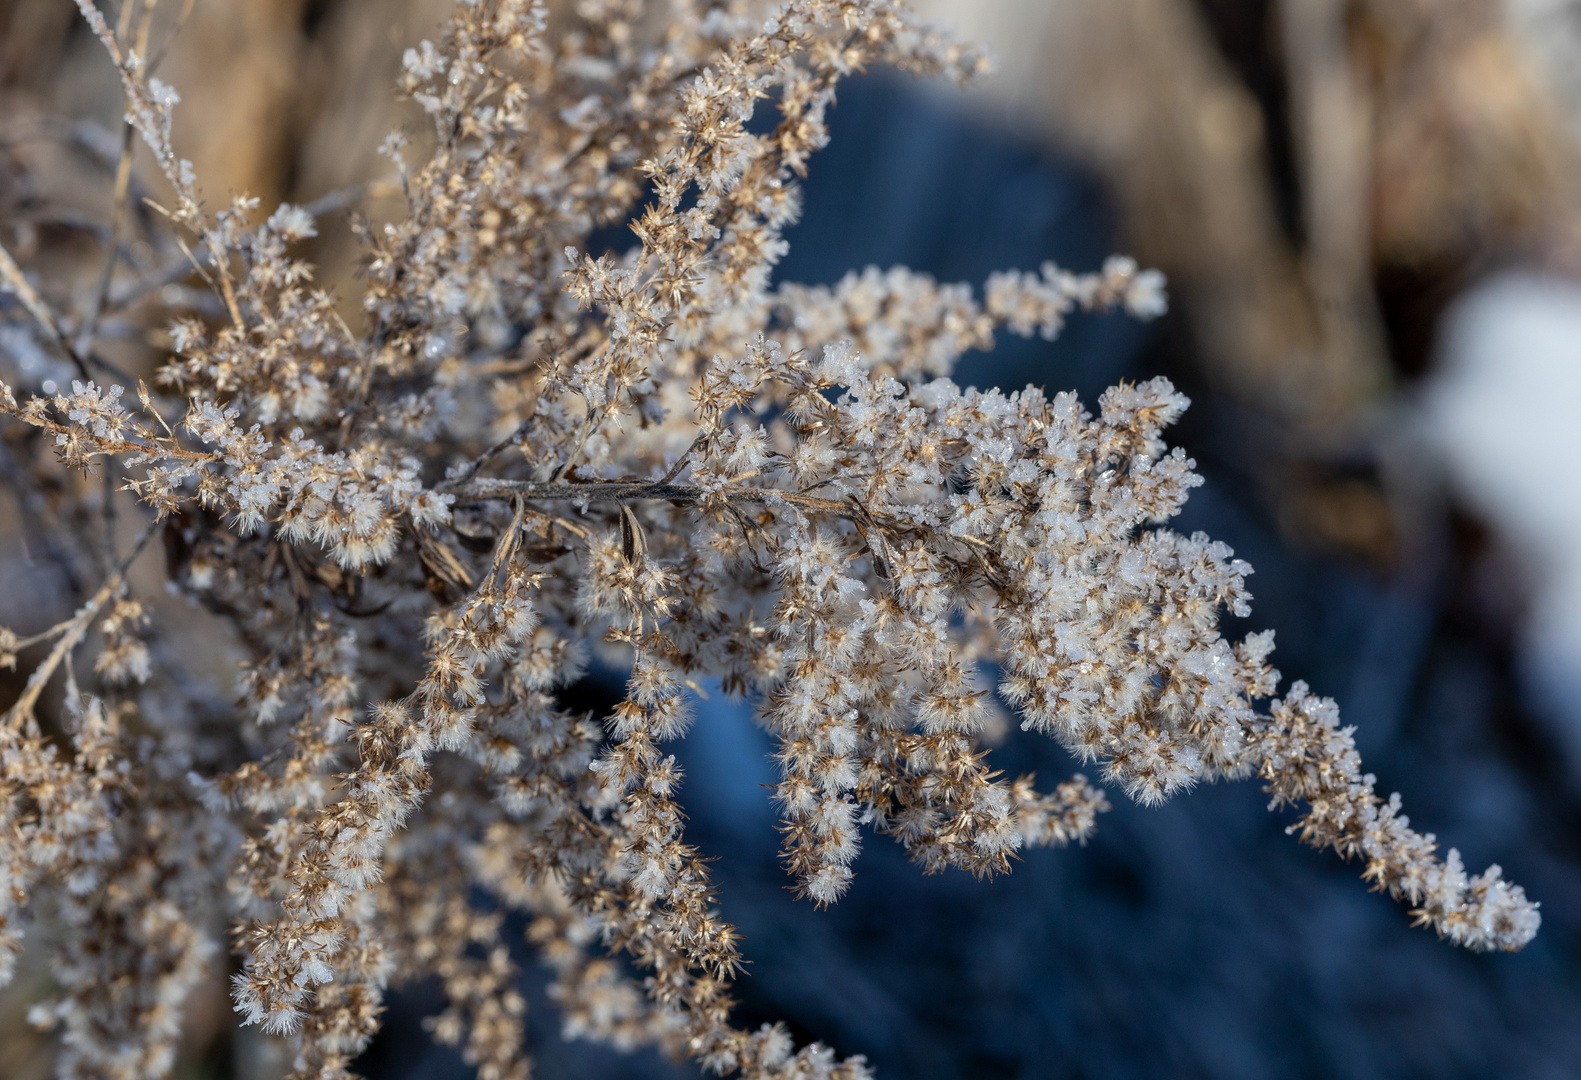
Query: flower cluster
<point x="419" y="523"/>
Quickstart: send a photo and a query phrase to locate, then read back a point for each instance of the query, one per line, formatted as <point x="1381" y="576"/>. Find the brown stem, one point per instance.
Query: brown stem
<point x="621" y="491"/>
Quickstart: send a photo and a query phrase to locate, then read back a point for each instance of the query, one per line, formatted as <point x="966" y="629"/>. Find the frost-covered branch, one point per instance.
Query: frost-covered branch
<point x="418" y="524"/>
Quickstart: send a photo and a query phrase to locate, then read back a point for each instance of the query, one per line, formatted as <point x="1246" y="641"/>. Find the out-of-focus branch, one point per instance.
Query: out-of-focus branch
<point x="1333" y="140"/>
<point x="1186" y="148"/>
<point x="72" y="632"/>
<point x="123" y="179"/>
<point x="180" y="267"/>
<point x="14" y="281"/>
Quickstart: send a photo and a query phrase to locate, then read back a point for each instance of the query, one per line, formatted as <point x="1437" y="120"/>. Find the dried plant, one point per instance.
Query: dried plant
<point x="421" y="529"/>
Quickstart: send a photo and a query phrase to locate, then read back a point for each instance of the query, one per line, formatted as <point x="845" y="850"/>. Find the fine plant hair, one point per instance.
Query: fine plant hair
<point x="420" y="523"/>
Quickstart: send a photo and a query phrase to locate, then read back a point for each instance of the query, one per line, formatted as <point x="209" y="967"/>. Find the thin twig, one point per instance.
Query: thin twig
<point x="164" y="47"/>
<point x="470" y="469"/>
<point x="109" y="517"/>
<point x="344" y="197"/>
<point x="680" y="462"/>
<point x="30" y="502"/>
<point x="43" y="635"/>
<point x="11" y="273"/>
<point x="123" y="183"/>
<point x="123" y="178"/>
<point x="178" y="268"/>
<point x="365" y="360"/>
<point x="22" y="711"/>
<point x="223" y="267"/>
<point x="588" y="424"/>
<point x="123" y="23"/>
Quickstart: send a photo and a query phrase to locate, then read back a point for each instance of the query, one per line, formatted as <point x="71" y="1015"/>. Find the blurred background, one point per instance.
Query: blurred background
<point x="1370" y="215"/>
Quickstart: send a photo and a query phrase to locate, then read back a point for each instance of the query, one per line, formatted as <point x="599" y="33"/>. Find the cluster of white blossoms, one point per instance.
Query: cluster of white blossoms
<point x="419" y="530"/>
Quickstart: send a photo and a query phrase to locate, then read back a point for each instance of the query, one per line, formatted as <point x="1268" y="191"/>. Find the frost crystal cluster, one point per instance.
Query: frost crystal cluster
<point x="420" y="523"/>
